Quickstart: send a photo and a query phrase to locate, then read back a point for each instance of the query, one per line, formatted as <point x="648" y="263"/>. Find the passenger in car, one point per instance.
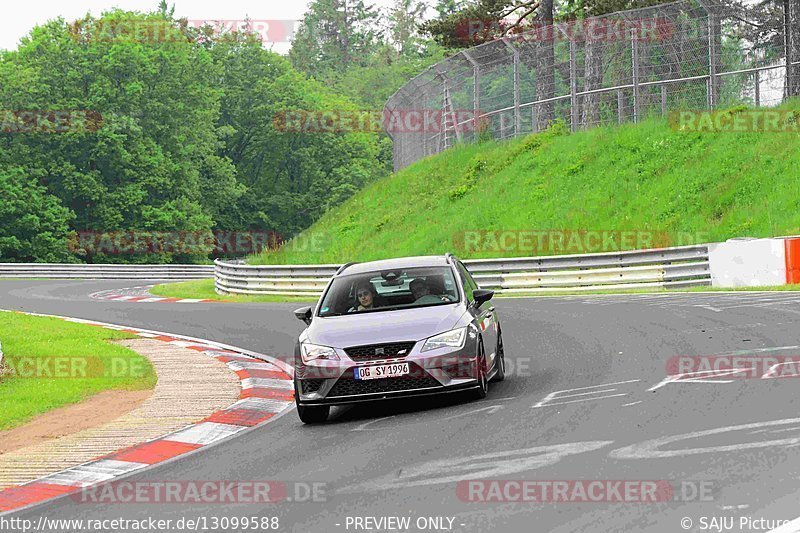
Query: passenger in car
<point x="419" y="288"/>
<point x="422" y="293"/>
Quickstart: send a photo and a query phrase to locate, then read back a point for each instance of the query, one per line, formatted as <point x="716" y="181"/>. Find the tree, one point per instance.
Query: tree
<point x="292" y="177"/>
<point x="334" y="35"/>
<point x="34" y="226"/>
<point x="152" y="165"/>
<point x="473" y="24"/>
<point x="445" y="8"/>
<point x="405" y="17"/>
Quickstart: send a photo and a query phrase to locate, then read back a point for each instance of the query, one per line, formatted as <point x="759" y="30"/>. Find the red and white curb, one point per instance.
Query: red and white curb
<point x="267" y="392"/>
<point x="141" y="295"/>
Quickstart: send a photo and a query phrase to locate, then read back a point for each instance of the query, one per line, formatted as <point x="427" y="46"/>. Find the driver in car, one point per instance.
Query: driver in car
<point x="366" y="296"/>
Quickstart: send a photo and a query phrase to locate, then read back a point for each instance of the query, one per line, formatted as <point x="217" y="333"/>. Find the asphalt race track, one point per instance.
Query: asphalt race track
<point x="587" y="398"/>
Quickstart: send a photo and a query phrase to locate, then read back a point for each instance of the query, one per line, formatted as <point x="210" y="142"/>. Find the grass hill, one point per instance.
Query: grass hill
<point x="648" y="177"/>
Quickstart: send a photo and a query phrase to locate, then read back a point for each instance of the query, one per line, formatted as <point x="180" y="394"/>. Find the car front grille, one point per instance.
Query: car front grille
<point x="347" y="386"/>
<point x="379" y="351"/>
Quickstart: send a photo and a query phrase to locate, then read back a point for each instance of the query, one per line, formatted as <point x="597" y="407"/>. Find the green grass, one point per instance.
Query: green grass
<point x="204" y="289"/>
<point x="28" y="339"/>
<point x="693" y="187"/>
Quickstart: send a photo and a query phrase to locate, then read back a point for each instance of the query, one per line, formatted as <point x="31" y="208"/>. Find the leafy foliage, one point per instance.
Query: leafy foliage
<point x="33" y="225"/>
<point x="187" y="143"/>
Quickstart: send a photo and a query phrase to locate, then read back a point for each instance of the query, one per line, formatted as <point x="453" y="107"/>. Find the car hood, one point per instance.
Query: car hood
<point x="388" y="326"/>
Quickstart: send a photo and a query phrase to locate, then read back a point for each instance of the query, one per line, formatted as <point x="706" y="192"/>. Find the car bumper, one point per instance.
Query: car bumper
<point x="333" y="382"/>
<point x="412" y="393"/>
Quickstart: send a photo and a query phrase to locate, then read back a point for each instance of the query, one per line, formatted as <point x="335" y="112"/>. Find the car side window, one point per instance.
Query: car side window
<point x="467" y="281"/>
<point x="471" y="280"/>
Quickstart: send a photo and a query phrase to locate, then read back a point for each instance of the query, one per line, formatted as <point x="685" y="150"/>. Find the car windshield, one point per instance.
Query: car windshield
<point x="389" y="290"/>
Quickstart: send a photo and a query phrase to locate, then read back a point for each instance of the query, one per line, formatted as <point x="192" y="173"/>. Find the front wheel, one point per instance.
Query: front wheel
<point x="313" y="414"/>
<point x="483" y="384"/>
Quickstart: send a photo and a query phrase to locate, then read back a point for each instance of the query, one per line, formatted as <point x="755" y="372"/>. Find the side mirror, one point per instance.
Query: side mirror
<point x="304" y="314"/>
<point x="481" y="296"/>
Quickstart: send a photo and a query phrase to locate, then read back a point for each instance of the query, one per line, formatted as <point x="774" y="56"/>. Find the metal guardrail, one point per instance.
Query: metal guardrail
<point x="82" y="271"/>
<point x="684" y="266"/>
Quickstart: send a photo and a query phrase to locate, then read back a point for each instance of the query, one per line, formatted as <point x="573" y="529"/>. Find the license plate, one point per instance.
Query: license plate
<point x="394" y="370"/>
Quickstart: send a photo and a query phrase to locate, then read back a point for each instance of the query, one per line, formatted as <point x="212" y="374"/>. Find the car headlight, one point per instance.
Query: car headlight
<point x="310" y="352"/>
<point x="453" y="339"/>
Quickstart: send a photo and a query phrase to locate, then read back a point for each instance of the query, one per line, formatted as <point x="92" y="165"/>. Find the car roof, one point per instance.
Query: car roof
<point x="398" y="263"/>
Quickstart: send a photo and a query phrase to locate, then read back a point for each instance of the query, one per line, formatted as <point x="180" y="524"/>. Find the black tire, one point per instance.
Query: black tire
<point x="500" y="361"/>
<point x="483" y="384"/>
<point x="313" y="414"/>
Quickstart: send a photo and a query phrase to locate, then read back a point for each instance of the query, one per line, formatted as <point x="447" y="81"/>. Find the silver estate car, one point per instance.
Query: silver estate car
<point x="395" y="328"/>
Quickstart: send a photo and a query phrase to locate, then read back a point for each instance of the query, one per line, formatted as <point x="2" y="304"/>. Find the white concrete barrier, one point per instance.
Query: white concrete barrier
<point x="754" y="262"/>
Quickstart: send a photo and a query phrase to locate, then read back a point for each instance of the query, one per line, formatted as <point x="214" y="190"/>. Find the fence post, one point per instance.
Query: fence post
<point x="476" y="93"/>
<point x="637" y="95"/>
<point x="787" y="45"/>
<point x="517" y="117"/>
<point x="476" y="99"/>
<point x="791" y="30"/>
<point x="573" y="85"/>
<point x="620" y="106"/>
<point x="714" y="40"/>
<point x="664" y="99"/>
<point x="794" y="42"/>
<point x="757" y="83"/>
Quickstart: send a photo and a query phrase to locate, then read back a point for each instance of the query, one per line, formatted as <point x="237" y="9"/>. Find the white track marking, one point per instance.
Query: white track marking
<point x="491" y="409"/>
<point x="758" y="350"/>
<point x="581" y="400"/>
<point x="632" y="403"/>
<point x="697" y="377"/>
<point x="363" y="427"/>
<point x="650" y="449"/>
<point x="771" y="373"/>
<point x="553" y="397"/>
<point x="455" y="469"/>
<point x="710" y="308"/>
<point x="791" y="527"/>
